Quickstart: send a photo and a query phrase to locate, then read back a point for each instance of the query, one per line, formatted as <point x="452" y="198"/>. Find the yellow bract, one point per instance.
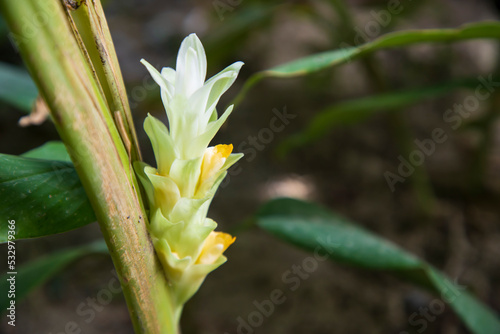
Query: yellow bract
<point x="213" y="160"/>
<point x="215" y="244"/>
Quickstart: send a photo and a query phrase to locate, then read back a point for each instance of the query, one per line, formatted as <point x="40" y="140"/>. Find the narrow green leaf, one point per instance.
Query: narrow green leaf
<point x="477" y="316"/>
<point x="347" y="53"/>
<point x="315" y="229"/>
<point x="33" y="274"/>
<point x="488" y="29"/>
<point x="309" y="226"/>
<point x="354" y="111"/>
<point x="16" y="87"/>
<point x="44" y="197"/>
<point x="52" y="150"/>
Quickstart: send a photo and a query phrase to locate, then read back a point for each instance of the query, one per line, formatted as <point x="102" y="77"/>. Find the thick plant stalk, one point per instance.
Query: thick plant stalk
<point x="44" y="36"/>
<point x="91" y="30"/>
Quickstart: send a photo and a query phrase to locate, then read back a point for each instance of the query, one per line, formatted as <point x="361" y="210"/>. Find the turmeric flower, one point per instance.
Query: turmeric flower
<point x="188" y="172"/>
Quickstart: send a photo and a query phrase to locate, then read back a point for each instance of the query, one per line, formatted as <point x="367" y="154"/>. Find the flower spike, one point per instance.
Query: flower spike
<point x="188" y="172"/>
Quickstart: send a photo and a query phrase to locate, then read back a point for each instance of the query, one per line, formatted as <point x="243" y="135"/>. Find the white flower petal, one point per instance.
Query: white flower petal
<point x="159" y="79"/>
<point x="222" y="81"/>
<point x="191" y="68"/>
<point x="169" y="74"/>
<point x="199" y="144"/>
<point x="205" y="99"/>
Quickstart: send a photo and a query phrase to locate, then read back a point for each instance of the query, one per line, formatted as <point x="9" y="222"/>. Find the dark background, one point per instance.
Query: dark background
<point x="344" y="171"/>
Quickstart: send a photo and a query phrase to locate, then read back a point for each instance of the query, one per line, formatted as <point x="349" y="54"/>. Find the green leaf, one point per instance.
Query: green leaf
<point x="16" y="87"/>
<point x="44" y="197"/>
<point x="354" y="111"/>
<point x="33" y="274"/>
<point x="52" y="150"/>
<point x="488" y="29"/>
<point x="315" y="229"/>
<point x="347" y="53"/>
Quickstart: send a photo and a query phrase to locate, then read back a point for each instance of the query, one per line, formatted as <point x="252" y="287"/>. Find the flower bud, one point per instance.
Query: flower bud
<point x="179" y="190"/>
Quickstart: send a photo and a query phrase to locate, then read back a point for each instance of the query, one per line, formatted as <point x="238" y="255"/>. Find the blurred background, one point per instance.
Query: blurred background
<point x="447" y="212"/>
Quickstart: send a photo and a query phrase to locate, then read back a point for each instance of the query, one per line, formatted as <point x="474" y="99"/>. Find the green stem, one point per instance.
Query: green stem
<point x="85" y="122"/>
<point x="254" y="79"/>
